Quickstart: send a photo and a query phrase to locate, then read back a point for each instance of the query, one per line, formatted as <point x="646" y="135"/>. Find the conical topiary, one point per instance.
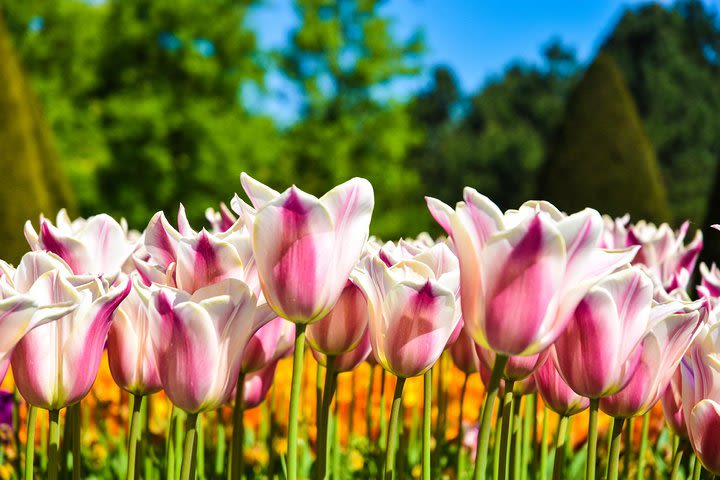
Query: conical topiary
<point x="32" y="180"/>
<point x="601" y="156"/>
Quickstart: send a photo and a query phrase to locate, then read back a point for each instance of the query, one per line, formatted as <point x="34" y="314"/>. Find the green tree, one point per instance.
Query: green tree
<point x="171" y="77"/>
<point x="670" y="57"/>
<point x="340" y="58"/>
<point x="58" y="42"/>
<point x="601" y="157"/>
<point x="33" y="180"/>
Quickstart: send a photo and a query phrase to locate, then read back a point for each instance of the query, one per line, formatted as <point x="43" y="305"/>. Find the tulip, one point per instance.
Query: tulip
<point x="596" y="355"/>
<point x="463" y="353"/>
<point x="701" y="397"/>
<point x="24" y="305"/>
<point x="668" y="338"/>
<point x="199" y="340"/>
<point x="342" y="329"/>
<point x="412" y="315"/>
<point x="556" y="394"/>
<point x="710" y="280"/>
<point x="56" y="363"/>
<point x="305" y="247"/>
<point x="272" y="341"/>
<point x="98" y="245"/>
<point x="304" y="250"/>
<point x="349" y="360"/>
<point x="131" y="356"/>
<point x="221" y="220"/>
<point x="672" y="406"/>
<point x="536" y="254"/>
<point x="661" y="249"/>
<point x="257" y="385"/>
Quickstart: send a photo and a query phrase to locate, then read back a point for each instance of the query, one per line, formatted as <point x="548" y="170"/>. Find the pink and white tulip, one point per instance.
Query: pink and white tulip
<point x="596" y="354"/>
<point x="200" y="339"/>
<point x="463" y="353"/>
<point x="701" y="397"/>
<point x="305" y="248"/>
<point x="348" y="361"/>
<point x="523" y="272"/>
<point x="412" y="309"/>
<point x="661" y="249"/>
<point x="23" y="306"/>
<point x="131" y="357"/>
<point x="98" y="245"/>
<point x="669" y="336"/>
<point x="556" y="394"/>
<point x="55" y="364"/>
<point x="342" y="329"/>
<point x="256" y="386"/>
<point x="271" y="342"/>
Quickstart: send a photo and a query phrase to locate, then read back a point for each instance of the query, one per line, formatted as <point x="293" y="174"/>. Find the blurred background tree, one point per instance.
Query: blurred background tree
<point x="149" y="102"/>
<point x="598" y="143"/>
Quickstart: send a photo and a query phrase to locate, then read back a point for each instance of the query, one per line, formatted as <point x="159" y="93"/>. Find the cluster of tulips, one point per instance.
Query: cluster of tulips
<point x="587" y="312"/>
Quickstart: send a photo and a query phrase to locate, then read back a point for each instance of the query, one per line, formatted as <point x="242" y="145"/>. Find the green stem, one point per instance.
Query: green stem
<point x="529" y="437"/>
<point x="30" y="445"/>
<point x="560" y="440"/>
<point x="506" y="432"/>
<point x="643" y="446"/>
<point x="677" y="459"/>
<point x="135" y="433"/>
<point x="609" y="439"/>
<point x="427" y="424"/>
<point x="382" y="439"/>
<point x="461" y="429"/>
<point x="295" y="393"/>
<point x="180" y="419"/>
<point x="76" y="437"/>
<point x="16" y="427"/>
<point x="496" y="439"/>
<point x="189" y="452"/>
<point x="368" y="404"/>
<point x="335" y="449"/>
<point x="200" y="447"/>
<point x="54" y="445"/>
<point x="324" y="418"/>
<point x="220" y="451"/>
<point x="65" y="439"/>
<point x="697" y="469"/>
<point x="392" y="437"/>
<point x="543" y="445"/>
<point x="614" y="455"/>
<point x="592" y="440"/>
<point x="170" y="445"/>
<point x="237" y="441"/>
<point x="486" y="417"/>
<point x="627" y="453"/>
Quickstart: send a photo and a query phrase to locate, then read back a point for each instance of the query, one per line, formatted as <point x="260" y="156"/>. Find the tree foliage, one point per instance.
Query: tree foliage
<point x="601" y="156"/>
<point x="33" y="182"/>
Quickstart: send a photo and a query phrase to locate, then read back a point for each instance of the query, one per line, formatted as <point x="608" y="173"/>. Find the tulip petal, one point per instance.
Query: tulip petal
<point x="204" y="260"/>
<point x="522" y="270"/>
<point x="259" y="193"/>
<point x="704" y="423"/>
<point x="161" y="240"/>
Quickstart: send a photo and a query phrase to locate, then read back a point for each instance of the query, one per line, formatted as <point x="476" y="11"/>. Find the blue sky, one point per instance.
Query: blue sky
<point x="477" y="38"/>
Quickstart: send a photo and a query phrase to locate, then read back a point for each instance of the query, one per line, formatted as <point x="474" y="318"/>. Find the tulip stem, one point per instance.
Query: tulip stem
<point x="170" y="445"/>
<point x="392" y="436"/>
<point x="560" y="438"/>
<point x="295" y="393"/>
<point x="30" y="444"/>
<point x="368" y="404"/>
<point x="54" y="445"/>
<point x="135" y="432"/>
<point x="323" y="420"/>
<point x="382" y="439"/>
<point x="76" y="435"/>
<point x="697" y="469"/>
<point x="486" y="417"/>
<point x="543" y="445"/>
<point x="461" y="432"/>
<point x="592" y="440"/>
<point x="507" y="429"/>
<point x="614" y="455"/>
<point x="427" y="424"/>
<point x="677" y="458"/>
<point x="643" y="446"/>
<point x="528" y="435"/>
<point x="237" y="440"/>
<point x="627" y="454"/>
<point x="220" y="451"/>
<point x="496" y="439"/>
<point x="188" y="463"/>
